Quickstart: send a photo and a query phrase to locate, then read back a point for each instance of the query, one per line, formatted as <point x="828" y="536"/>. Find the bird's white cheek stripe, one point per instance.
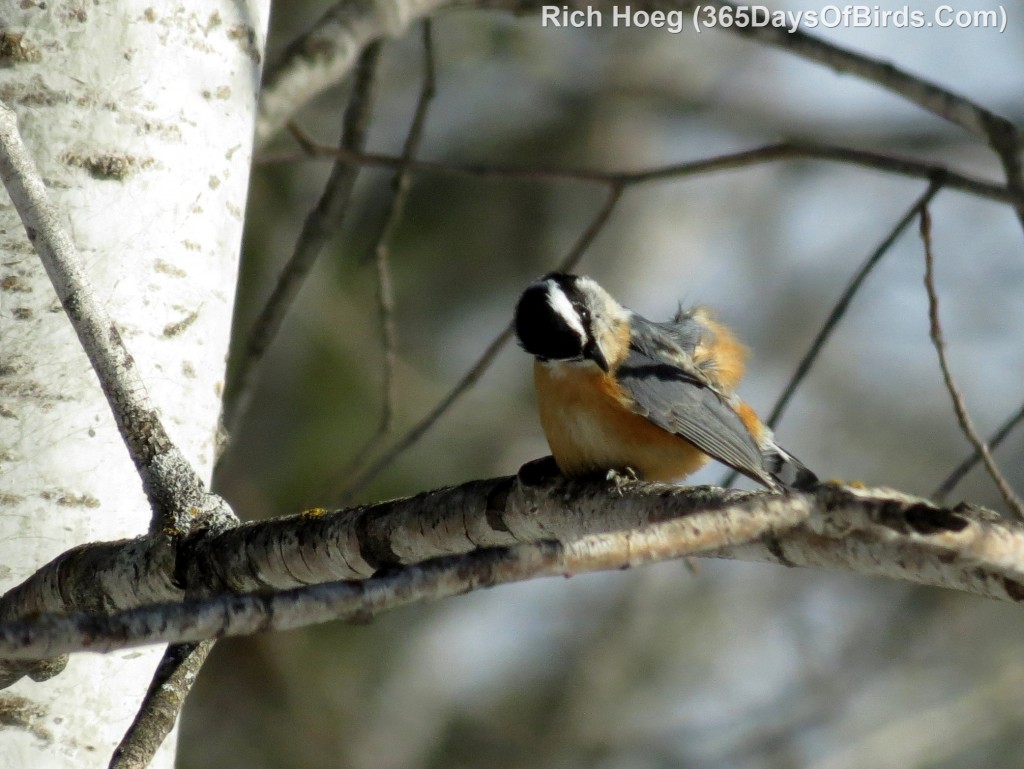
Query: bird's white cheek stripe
<point x="560" y="304"/>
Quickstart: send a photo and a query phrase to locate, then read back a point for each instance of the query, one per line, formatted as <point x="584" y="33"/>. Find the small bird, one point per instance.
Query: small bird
<point x="616" y="391"/>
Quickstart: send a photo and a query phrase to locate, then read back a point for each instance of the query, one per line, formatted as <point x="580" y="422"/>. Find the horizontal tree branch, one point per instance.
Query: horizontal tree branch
<point x="489" y="532"/>
<point x="1001" y="134"/>
<point x="322" y="56"/>
<point x="934" y="98"/>
<point x="769" y="153"/>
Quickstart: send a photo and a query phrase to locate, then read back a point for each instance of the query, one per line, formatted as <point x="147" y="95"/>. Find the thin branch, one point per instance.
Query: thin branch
<point x="1000" y="134"/>
<point x="866" y="531"/>
<point x="935" y="331"/>
<point x="401" y="184"/>
<point x="320" y="225"/>
<point x="954" y="478"/>
<point x="771" y="153"/>
<point x="389" y="338"/>
<point x="321" y="56"/>
<point x="159" y="710"/>
<point x="482" y="364"/>
<point x="841" y="306"/>
<point x="327" y="53"/>
<point x="175" y="491"/>
<point x="930" y="96"/>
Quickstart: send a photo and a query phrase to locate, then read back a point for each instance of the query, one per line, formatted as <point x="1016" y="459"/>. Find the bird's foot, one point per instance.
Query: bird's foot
<point x="620" y="479"/>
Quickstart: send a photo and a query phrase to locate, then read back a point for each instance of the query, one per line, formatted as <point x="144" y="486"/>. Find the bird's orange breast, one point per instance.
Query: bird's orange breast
<point x="590" y="428"/>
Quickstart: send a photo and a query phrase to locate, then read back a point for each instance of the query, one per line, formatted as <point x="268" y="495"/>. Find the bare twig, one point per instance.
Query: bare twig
<point x="935" y="331"/>
<point x="327" y="52"/>
<point x="401" y="184"/>
<point x="320" y="225"/>
<point x="1000" y="134"/>
<point x="171" y="683"/>
<point x="482" y="364"/>
<point x="421" y="428"/>
<point x="930" y="96"/>
<point x="840" y="308"/>
<point x="843" y="304"/>
<point x="389" y="337"/>
<point x="381" y="251"/>
<point x="961" y="470"/>
<point x="771" y="153"/>
<point x="322" y="55"/>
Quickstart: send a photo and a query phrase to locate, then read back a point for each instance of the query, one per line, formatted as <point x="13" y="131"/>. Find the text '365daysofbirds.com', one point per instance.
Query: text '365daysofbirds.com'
<point x="704" y="17"/>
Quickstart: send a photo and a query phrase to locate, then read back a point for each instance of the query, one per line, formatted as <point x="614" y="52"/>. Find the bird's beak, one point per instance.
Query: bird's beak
<point x="596" y="354"/>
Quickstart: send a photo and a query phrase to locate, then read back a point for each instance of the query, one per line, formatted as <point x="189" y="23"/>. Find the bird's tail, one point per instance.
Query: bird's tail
<point x="786" y="469"/>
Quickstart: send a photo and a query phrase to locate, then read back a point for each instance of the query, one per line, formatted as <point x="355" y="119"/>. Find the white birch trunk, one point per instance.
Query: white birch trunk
<point x="139" y="116"/>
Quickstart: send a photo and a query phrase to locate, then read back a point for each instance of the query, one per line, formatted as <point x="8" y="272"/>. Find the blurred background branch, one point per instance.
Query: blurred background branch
<point x="963" y="417"/>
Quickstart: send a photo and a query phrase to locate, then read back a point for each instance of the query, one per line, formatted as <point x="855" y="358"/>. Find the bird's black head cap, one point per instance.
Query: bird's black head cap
<point x="551" y="318"/>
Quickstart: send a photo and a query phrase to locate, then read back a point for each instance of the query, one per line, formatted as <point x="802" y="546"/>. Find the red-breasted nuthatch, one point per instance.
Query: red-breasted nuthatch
<point x="616" y="391"/>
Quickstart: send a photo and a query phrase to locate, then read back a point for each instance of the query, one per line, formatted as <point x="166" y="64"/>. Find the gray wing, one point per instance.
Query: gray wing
<point x="683" y="329"/>
<point x="682" y="402"/>
<point x="672" y="344"/>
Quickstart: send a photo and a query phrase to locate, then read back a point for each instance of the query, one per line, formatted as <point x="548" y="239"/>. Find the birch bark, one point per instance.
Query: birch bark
<point x="139" y="117"/>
